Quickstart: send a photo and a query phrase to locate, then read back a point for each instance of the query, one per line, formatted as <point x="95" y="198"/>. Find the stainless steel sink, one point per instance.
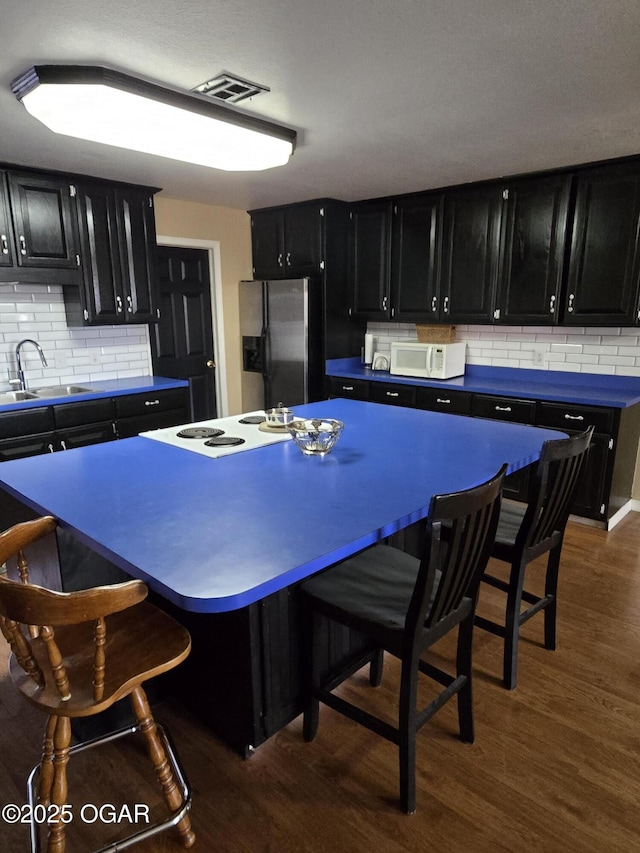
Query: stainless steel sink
<point x="16" y="396"/>
<point x="58" y="391"/>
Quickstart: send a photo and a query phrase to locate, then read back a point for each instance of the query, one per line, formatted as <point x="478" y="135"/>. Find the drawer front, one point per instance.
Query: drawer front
<point x="578" y="418"/>
<point x="128" y="427"/>
<point x="79" y="414"/>
<point x="26" y="445"/>
<point x="26" y="422"/>
<point x="396" y="395"/>
<point x="357" y="389"/>
<point x="82" y="436"/>
<point x="504" y="409"/>
<point x="454" y="402"/>
<point x="156" y="401"/>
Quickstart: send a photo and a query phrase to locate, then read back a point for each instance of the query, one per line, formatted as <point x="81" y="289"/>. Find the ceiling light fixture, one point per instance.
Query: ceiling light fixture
<point x="102" y="105"/>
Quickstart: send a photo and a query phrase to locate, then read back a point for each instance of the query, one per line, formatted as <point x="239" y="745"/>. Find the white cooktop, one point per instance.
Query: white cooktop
<point x="252" y="435"/>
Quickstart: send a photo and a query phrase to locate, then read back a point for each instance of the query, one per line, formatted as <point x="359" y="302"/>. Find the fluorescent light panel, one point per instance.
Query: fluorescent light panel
<point x="101" y="105"/>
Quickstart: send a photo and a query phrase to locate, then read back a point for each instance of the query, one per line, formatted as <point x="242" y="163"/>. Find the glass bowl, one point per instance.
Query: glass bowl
<point x="315" y="436"/>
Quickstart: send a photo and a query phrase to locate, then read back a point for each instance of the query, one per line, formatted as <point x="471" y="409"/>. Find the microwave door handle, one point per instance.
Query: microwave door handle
<point x="430" y="361"/>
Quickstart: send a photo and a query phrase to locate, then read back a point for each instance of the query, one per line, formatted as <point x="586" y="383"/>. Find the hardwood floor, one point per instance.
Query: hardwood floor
<point x="555" y="765"/>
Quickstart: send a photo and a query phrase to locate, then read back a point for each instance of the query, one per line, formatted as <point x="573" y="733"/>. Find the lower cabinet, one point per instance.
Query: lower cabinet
<point x="48" y="429"/>
<point x="607" y="480"/>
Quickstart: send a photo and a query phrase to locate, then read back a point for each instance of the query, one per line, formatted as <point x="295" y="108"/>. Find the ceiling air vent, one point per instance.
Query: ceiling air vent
<point x="229" y="88"/>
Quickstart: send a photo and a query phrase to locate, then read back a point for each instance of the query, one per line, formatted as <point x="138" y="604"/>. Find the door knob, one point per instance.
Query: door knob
<point x="211" y="363"/>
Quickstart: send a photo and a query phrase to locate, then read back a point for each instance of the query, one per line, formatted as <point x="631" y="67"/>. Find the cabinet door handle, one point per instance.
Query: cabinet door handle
<point x="384" y="303"/>
<point x="572" y="296"/>
<point x="23" y="245"/>
<point x="443" y="400"/>
<point x="63" y="444"/>
<point x="51" y="448"/>
<point x="392" y="394"/>
<point x="118" y="305"/>
<point x="434" y="304"/>
<point x="152" y="402"/>
<point x="552" y="305"/>
<point x="503" y="408"/>
<point x="574" y="417"/>
<point x="280" y="259"/>
<point x="288" y="259"/>
<point x="5" y="244"/>
<point x="445" y="306"/>
<point x="130" y="304"/>
<point x="347" y="387"/>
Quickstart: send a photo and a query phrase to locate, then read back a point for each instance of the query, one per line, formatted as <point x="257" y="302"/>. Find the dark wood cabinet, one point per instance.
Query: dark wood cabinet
<point x="117" y="231"/>
<point x="451" y="402"/>
<point x="532" y="248"/>
<point x="7" y="245"/>
<point x="415" y="257"/>
<point x="38" y="232"/>
<point x="44" y="222"/>
<point x="369" y="260"/>
<point x="136" y="413"/>
<point x="472" y="221"/>
<point x="603" y="277"/>
<point x="288" y="241"/>
<point x="356" y="389"/>
<point x="392" y="393"/>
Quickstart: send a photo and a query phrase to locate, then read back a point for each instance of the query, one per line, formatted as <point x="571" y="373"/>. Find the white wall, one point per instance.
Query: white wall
<point x="74" y="355"/>
<point x="580" y="350"/>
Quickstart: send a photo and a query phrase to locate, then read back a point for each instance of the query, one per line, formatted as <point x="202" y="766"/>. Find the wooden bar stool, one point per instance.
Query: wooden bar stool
<point x="74" y="655"/>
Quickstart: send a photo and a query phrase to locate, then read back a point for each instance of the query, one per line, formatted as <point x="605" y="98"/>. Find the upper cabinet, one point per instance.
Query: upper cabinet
<point x="470" y="254"/>
<point x="288" y="241"/>
<point x="602" y="287"/>
<point x="117" y="232"/>
<point x="39" y="241"/>
<point x="532" y="248"/>
<point x="394" y="258"/>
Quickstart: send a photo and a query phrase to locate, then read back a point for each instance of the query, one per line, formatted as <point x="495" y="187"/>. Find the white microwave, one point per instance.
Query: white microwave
<point x="427" y="361"/>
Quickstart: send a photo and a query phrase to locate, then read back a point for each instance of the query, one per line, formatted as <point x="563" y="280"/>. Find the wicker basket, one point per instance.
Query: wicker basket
<point x="436" y="334"/>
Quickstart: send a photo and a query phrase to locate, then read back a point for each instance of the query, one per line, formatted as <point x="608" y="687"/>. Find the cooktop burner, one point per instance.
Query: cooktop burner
<point x="224" y="441"/>
<point x="253" y="419"/>
<point x="199" y="432"/>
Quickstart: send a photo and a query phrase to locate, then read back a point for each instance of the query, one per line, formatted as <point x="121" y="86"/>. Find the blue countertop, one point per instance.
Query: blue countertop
<point x="587" y="389"/>
<point x="218" y="534"/>
<point x="102" y="388"/>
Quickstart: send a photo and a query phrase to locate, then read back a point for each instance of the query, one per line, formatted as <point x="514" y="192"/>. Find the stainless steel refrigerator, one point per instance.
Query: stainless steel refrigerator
<point x="281" y="324"/>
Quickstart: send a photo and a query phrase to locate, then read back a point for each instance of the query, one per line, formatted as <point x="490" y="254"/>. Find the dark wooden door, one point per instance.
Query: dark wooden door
<point x="267" y="243"/>
<point x="369" y="260"/>
<point x="137" y="242"/>
<point x="104" y="301"/>
<point x="603" y="265"/>
<point x="532" y="250"/>
<point x="470" y="254"/>
<point x="182" y="345"/>
<point x="44" y="221"/>
<point x="303" y="239"/>
<point x="7" y="251"/>
<point x="415" y="258"/>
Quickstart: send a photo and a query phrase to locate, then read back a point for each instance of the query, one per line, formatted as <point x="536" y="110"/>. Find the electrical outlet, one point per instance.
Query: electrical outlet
<point x="539" y="352"/>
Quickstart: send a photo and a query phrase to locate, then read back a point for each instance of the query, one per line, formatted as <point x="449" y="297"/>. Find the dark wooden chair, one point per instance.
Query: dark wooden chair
<point x="404" y="605"/>
<point x="527" y="531"/>
<point x="74" y="655"/>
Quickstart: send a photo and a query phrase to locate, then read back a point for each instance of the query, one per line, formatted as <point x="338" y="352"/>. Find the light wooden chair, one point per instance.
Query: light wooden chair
<point x="404" y="605"/>
<point x="74" y="655"/>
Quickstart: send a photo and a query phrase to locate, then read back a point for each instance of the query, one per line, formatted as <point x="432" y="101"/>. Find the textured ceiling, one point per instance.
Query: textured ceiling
<point x="388" y="96"/>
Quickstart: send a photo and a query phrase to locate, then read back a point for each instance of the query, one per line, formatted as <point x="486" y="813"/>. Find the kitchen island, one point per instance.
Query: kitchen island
<point x="226" y="540"/>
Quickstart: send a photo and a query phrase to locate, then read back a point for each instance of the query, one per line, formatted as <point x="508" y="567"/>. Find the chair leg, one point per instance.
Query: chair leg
<point x="512" y="625"/>
<point x="311" y="714"/>
<point x="61" y="740"/>
<point x="159" y="759"/>
<point x="407" y="723"/>
<point x="375" y="668"/>
<point x="464" y="667"/>
<point x="46" y="764"/>
<point x="551" y="590"/>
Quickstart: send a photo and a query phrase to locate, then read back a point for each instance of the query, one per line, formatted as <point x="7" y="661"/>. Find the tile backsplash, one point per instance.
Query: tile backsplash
<point x="73" y="355"/>
<point x="611" y="351"/>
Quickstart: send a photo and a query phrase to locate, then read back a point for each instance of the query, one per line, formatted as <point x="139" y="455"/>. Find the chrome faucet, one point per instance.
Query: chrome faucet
<point x="23" y="383"/>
